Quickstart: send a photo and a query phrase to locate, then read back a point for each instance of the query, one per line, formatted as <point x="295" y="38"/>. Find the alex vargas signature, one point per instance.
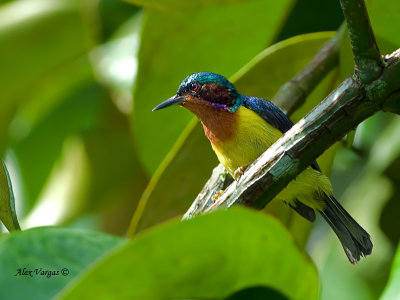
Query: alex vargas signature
<point x="41" y="272"/>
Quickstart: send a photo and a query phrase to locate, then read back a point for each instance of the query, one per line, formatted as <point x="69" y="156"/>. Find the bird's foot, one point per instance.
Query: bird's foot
<point x="239" y="172"/>
<point x="216" y="195"/>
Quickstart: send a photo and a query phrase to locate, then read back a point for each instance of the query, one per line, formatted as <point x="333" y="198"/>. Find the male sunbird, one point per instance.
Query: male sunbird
<point x="240" y="128"/>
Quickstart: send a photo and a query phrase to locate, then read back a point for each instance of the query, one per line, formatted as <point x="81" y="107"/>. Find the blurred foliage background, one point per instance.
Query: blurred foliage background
<point x="78" y="80"/>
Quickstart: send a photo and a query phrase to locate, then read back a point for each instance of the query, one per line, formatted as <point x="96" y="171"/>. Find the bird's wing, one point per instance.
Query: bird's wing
<point x="272" y="115"/>
<point x="269" y="112"/>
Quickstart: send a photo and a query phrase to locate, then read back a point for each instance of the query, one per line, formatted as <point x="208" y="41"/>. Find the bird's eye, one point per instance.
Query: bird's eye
<point x="194" y="86"/>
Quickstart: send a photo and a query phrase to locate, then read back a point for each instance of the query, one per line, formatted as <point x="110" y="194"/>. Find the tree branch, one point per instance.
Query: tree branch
<point x="294" y="93"/>
<point x="346" y="107"/>
<point x="340" y="112"/>
<point x="219" y="180"/>
<point x="289" y="99"/>
<point x="365" y="50"/>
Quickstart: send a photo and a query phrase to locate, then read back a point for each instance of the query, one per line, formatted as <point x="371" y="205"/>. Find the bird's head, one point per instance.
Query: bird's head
<point x="205" y="89"/>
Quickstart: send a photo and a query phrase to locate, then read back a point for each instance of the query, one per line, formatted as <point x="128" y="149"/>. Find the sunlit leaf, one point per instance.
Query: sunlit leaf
<point x="392" y="290"/>
<point x="208" y="257"/>
<point x="171" y="5"/>
<point x="389" y="218"/>
<point x="47" y="249"/>
<point x="39" y="149"/>
<point x="178" y="180"/>
<point x="7" y="204"/>
<point x="117" y="179"/>
<point x="30" y="30"/>
<point x="384" y="15"/>
<point x="338" y="273"/>
<point x="265" y="73"/>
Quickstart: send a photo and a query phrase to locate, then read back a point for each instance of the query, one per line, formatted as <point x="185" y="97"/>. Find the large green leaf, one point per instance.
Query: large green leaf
<point x="7" y="204"/>
<point x="392" y="290"/>
<point x="170" y="5"/>
<point x="47" y="249"/>
<point x="30" y="31"/>
<point x="384" y="19"/>
<point x="42" y="53"/>
<point x="117" y="179"/>
<point x="113" y="14"/>
<point x="336" y="273"/>
<point x="178" y="180"/>
<point x="208" y="257"/>
<point x="176" y="44"/>
<point x="37" y="152"/>
<point x="265" y="73"/>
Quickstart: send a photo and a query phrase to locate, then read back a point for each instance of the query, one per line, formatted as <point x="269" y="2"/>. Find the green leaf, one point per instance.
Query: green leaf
<point x="265" y="73"/>
<point x="349" y="140"/>
<point x="178" y="179"/>
<point x="117" y="179"/>
<point x="257" y="293"/>
<point x="384" y="15"/>
<point x="208" y="257"/>
<point x="78" y="110"/>
<point x="7" y="204"/>
<point x="336" y="272"/>
<point x="174" y="45"/>
<point x="392" y="290"/>
<point x="172" y="5"/>
<point x="51" y="249"/>
<point x="30" y="31"/>
<point x="113" y="14"/>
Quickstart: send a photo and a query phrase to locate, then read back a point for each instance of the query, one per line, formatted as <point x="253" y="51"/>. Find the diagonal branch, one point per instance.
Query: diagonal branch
<point x="346" y="107"/>
<point x="375" y="87"/>
<point x="290" y="97"/>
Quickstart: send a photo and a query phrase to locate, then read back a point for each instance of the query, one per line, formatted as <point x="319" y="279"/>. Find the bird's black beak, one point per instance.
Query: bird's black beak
<point x="174" y="100"/>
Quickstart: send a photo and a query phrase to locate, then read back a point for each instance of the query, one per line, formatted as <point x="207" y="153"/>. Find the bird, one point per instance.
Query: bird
<point x="240" y="128"/>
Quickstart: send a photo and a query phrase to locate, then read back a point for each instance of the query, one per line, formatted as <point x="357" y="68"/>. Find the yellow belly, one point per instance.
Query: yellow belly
<point x="253" y="136"/>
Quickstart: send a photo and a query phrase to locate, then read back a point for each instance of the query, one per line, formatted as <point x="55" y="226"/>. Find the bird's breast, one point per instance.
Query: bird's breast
<point x="219" y="125"/>
<point x="251" y="136"/>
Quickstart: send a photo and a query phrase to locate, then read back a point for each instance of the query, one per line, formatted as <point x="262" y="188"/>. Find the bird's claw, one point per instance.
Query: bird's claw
<point x="217" y="194"/>
<point x="239" y="172"/>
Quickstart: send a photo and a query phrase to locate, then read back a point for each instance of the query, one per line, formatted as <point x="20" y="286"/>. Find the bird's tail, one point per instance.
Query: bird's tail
<point x="355" y="240"/>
